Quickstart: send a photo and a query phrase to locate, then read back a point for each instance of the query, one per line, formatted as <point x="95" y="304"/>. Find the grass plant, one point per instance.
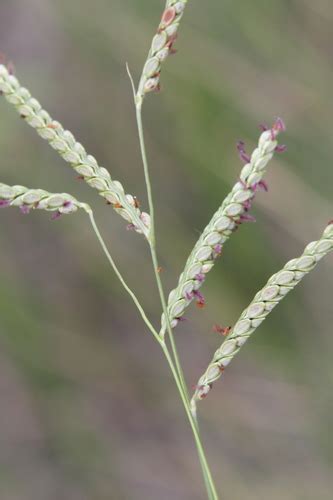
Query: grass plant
<point x="233" y="212"/>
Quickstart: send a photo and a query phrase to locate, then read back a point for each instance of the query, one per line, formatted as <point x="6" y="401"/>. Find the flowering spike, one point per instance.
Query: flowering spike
<point x="31" y="199"/>
<point x="263" y="303"/>
<point x="223" y="224"/>
<point x="162" y="46"/>
<point x="72" y="151"/>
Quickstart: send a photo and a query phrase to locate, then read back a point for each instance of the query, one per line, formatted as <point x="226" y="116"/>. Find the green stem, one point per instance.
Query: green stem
<point x="212" y="495"/>
<point x="152" y="238"/>
<point x="121" y="279"/>
<point x="152" y="244"/>
<point x="211" y="490"/>
<point x="176" y="370"/>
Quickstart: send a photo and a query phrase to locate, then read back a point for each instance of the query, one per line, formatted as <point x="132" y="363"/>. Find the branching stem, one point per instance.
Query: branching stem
<point x="174" y="363"/>
<point x="212" y="495"/>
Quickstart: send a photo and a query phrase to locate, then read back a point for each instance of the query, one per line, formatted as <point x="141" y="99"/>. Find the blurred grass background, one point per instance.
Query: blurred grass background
<point x="88" y="410"/>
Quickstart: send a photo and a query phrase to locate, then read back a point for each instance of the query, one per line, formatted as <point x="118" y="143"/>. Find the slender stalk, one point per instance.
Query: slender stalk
<point x="177" y="368"/>
<point x="211" y="491"/>
<point x="152" y="244"/>
<point x="151" y="235"/>
<point x="121" y="279"/>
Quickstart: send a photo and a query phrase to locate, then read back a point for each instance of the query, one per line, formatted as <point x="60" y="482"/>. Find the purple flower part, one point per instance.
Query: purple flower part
<point x="68" y="204"/>
<point x="199" y="296"/>
<point x="247" y="218"/>
<point x="260" y="186"/>
<point x="130" y="227"/>
<point x="242" y="153"/>
<point x="279" y="126"/>
<point x="4" y="203"/>
<point x="189" y="295"/>
<point x="247" y="205"/>
<point x="56" y="215"/>
<point x="25" y="209"/>
<point x="218" y="249"/>
<point x="200" y="277"/>
<point x="281" y="148"/>
<point x="181" y="319"/>
<point x="263" y="127"/>
<point x="263" y="186"/>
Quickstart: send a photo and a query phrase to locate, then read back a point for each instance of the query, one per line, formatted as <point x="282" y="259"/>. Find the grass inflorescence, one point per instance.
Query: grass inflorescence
<point x="232" y="213"/>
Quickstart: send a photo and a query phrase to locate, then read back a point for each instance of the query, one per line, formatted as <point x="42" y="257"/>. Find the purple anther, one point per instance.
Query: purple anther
<point x="278" y="127"/>
<point x="242" y="153"/>
<point x="247" y="205"/>
<point x="56" y="215"/>
<point x="25" y="209"/>
<point x="260" y="186"/>
<point x="201" y="302"/>
<point x="218" y="249"/>
<point x="247" y="218"/>
<point x="200" y="277"/>
<point x="281" y="148"/>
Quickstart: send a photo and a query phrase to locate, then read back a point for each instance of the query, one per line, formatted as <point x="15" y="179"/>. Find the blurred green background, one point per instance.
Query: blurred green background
<point x="88" y="410"/>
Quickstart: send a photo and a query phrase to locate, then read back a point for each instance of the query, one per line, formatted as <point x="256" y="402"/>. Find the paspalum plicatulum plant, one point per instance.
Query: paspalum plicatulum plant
<point x="234" y="211"/>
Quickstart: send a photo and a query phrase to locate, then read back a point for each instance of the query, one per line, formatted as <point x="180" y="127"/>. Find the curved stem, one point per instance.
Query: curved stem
<point x="212" y="495"/>
<point x="122" y="280"/>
